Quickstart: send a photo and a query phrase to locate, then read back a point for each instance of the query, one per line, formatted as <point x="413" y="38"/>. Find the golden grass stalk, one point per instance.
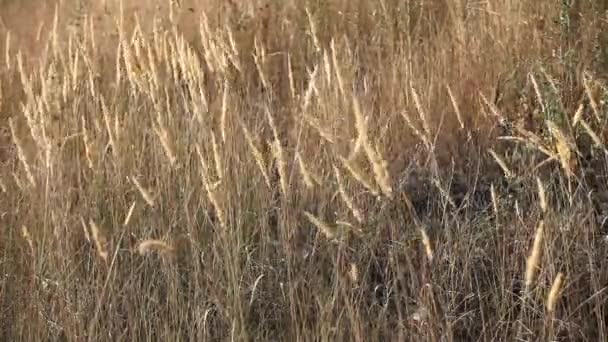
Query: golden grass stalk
<point x="380" y="169"/>
<point x="99" y="240"/>
<point x="28" y="238"/>
<point x="219" y="166"/>
<point x="129" y="214"/>
<point x="21" y="153"/>
<point x="212" y="194"/>
<point x="310" y="89"/>
<point x="420" y="135"/>
<point x="502" y="164"/>
<point x="494" y="199"/>
<point x="353" y="273"/>
<point x="257" y="155"/>
<point x="148" y="246"/>
<point x="592" y="100"/>
<point x="145" y="194"/>
<point x="334" y="59"/>
<point x="313" y="30"/>
<point x="578" y="114"/>
<point x="533" y="261"/>
<point x="596" y="139"/>
<point x="455" y="106"/>
<point x="554" y="293"/>
<point x="166" y="141"/>
<point x="426" y="242"/>
<point x="224" y="112"/>
<point x="292" y="88"/>
<point x="307" y="177"/>
<point x="421" y="113"/>
<point x="539" y="96"/>
<point x="347" y="198"/>
<point x="279" y="155"/>
<point x="358" y="174"/>
<point x="542" y="197"/>
<point x="327" y="230"/>
<point x="314" y="123"/>
<point x="565" y="148"/>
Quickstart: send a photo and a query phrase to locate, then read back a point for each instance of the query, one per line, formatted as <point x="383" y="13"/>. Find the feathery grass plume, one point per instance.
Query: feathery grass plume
<point x="420" y="135"/>
<point x="224" y="111"/>
<point x="353" y="273"/>
<point x="314" y="123"/>
<point x="313" y="30"/>
<point x="591" y="97"/>
<point x="539" y="96"/>
<point x="542" y="197"/>
<point x="494" y="199"/>
<point x="380" y="169"/>
<point x="145" y="194"/>
<point x="219" y="166"/>
<point x="311" y="89"/>
<point x="533" y="261"/>
<point x="358" y="174"/>
<point x="90" y="153"/>
<point x="554" y="293"/>
<point x="565" y="148"/>
<point x="7" y="51"/>
<point x="426" y="242"/>
<point x="421" y="113"/>
<point x="148" y="246"/>
<point x="257" y="154"/>
<point x="254" y="288"/>
<point x="307" y="177"/>
<point x="578" y="114"/>
<point x="279" y="154"/>
<point x="501" y="163"/>
<point x="21" y="153"/>
<point x="129" y="214"/>
<point x="346" y="198"/>
<point x="596" y="140"/>
<point x="166" y="141"/>
<point x="99" y="240"/>
<point x="334" y="59"/>
<point x="455" y="105"/>
<point x="327" y="230"/>
<point x="28" y="238"/>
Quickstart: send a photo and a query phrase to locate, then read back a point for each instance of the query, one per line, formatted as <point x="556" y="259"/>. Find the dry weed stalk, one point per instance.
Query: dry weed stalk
<point x="346" y="198"/>
<point x="28" y="238"/>
<point x="455" y="105"/>
<point x="219" y="165"/>
<point x="166" y="141"/>
<point x="307" y="177"/>
<point x="596" y="139"/>
<point x="279" y="155"/>
<point x="358" y="174"/>
<point x="145" y="194"/>
<point x="542" y="195"/>
<point x="426" y="242"/>
<point x="327" y="230"/>
<point x="224" y="111"/>
<point x="148" y="246"/>
<point x="502" y="164"/>
<point x="578" y="114"/>
<point x="257" y="154"/>
<point x="533" y="261"/>
<point x="554" y="293"/>
<point x="421" y="113"/>
<point x="129" y="214"/>
<point x="21" y="153"/>
<point x="99" y="240"/>
<point x="565" y="148"/>
<point x="591" y="97"/>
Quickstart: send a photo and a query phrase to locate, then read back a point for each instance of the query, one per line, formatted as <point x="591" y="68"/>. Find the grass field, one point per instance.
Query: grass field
<point x="303" y="170"/>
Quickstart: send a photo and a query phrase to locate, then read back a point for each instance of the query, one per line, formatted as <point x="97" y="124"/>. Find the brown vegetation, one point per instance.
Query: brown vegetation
<point x="303" y="170"/>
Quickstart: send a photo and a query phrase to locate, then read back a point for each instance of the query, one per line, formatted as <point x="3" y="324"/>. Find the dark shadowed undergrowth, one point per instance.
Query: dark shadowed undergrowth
<point x="303" y="170"/>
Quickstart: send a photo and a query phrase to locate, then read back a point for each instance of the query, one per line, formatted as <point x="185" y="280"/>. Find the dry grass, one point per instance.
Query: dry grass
<point x="303" y="170"/>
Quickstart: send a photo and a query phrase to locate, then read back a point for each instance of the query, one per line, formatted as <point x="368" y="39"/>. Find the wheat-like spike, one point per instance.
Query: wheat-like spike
<point x="327" y="68"/>
<point x="565" y="148"/>
<point x="313" y="30"/>
<point x="455" y="105"/>
<point x="28" y="238"/>
<point x="224" y="111"/>
<point x="329" y="231"/>
<point x="380" y="169"/>
<point x="533" y="261"/>
<point x="108" y="120"/>
<point x="21" y="153"/>
<point x="334" y="59"/>
<point x="90" y="153"/>
<point x="311" y="89"/>
<point x="353" y="273"/>
<point x="423" y="137"/>
<point x="502" y="164"/>
<point x="542" y="197"/>
<point x="539" y="95"/>
<point x="358" y="174"/>
<point x="591" y="98"/>
<point x="426" y="242"/>
<point x="423" y="117"/>
<point x="219" y="166"/>
<point x="7" y="51"/>
<point x="292" y="88"/>
<point x="99" y="241"/>
<point x="214" y="199"/>
<point x="346" y="198"/>
<point x="257" y="155"/>
<point x="145" y="194"/>
<point x="307" y="177"/>
<point x="129" y="214"/>
<point x="596" y="139"/>
<point x="259" y="58"/>
<point x="314" y="123"/>
<point x="166" y="141"/>
<point x="279" y="154"/>
<point x="578" y="114"/>
<point x="494" y="199"/>
<point x="554" y="293"/>
<point x="148" y="246"/>
<point x="85" y="230"/>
